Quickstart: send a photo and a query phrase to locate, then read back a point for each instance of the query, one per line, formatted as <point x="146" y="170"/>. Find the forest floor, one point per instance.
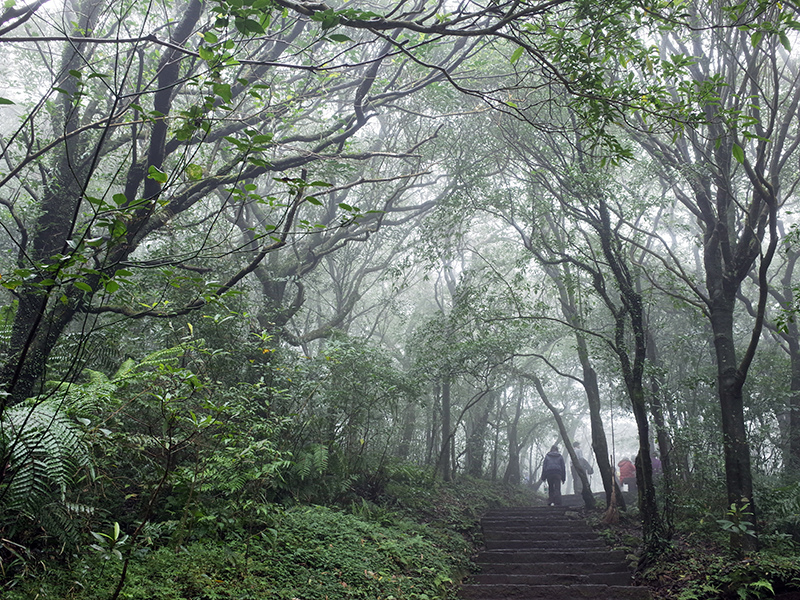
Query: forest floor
<point x="408" y="541"/>
<point x="697" y="565"/>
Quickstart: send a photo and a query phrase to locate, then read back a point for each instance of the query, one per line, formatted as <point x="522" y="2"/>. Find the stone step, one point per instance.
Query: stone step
<point x="547" y="553"/>
<point x="533" y="527"/>
<point x="559" y="517"/>
<point x="578" y="568"/>
<point x="554" y="519"/>
<point x="553" y="592"/>
<point x="543" y="512"/>
<point x="548" y="513"/>
<point x="551" y="556"/>
<point x="526" y="525"/>
<point x="525" y="510"/>
<point x="551" y="533"/>
<point x="610" y="578"/>
<point x="548" y="544"/>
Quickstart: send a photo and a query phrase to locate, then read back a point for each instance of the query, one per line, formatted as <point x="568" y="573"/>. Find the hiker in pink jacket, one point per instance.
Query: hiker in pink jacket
<point x="627" y="473"/>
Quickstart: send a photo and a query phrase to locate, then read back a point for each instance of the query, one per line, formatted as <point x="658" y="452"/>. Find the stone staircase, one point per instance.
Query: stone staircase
<point x="547" y="552"/>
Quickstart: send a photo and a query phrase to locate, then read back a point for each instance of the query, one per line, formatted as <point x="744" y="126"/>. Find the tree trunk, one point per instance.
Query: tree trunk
<point x="792" y="459"/>
<point x="409" y="428"/>
<point x="632" y="355"/>
<point x="476" y="442"/>
<point x="512" y="474"/>
<point x="662" y="438"/>
<point x="730" y="380"/>
<point x="569" y="309"/>
<point x="791" y="335"/>
<point x="586" y="492"/>
<point x="433" y="425"/>
<point x="496" y="445"/>
<point x="444" y="466"/>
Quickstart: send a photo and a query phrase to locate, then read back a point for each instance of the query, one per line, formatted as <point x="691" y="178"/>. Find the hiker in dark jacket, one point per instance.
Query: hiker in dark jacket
<point x="554" y="471"/>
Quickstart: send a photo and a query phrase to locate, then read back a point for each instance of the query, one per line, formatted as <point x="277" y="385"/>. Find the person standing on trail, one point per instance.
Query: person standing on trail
<point x="554" y="472"/>
<point x="577" y="485"/>
<point x="627" y="473"/>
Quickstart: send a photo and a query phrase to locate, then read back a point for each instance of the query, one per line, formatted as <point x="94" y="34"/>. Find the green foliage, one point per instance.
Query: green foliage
<point x="345" y="403"/>
<point x="108" y="545"/>
<point x="779" y="511"/>
<point x="699" y="565"/>
<point x="307" y="552"/>
<point x="739" y="520"/>
<point x="759" y="576"/>
<point x="45" y="453"/>
<point x="456" y="505"/>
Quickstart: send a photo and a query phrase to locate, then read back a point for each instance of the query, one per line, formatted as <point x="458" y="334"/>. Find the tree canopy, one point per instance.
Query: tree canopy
<point x="262" y="253"/>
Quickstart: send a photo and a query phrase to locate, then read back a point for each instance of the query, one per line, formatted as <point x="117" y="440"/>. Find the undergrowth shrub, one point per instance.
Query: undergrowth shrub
<point x="459" y="503"/>
<point x="310" y="553"/>
<point x="779" y="511"/>
<point x="761" y="575"/>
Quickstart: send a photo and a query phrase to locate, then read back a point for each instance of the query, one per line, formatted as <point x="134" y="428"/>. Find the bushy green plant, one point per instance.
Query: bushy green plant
<point x="458" y="504"/>
<point x="759" y="576"/>
<point x="707" y="573"/>
<point x="44" y="454"/>
<point x="312" y="552"/>
<point x="779" y="509"/>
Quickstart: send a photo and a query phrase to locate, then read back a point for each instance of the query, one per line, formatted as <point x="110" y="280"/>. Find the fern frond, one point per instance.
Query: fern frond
<point x="126" y="367"/>
<point x="45" y="450"/>
<point x="57" y="520"/>
<point x="311" y="462"/>
<point x="160" y="357"/>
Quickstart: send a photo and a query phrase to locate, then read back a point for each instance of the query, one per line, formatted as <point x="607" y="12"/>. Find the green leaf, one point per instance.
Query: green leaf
<point x="223" y="90"/>
<point x="738" y="153"/>
<point x="517" y="54"/>
<point x="156" y="174"/>
<point x="327" y="18"/>
<point x="194" y="172"/>
<point x="262" y="139"/>
<point x="6" y="101"/>
<point x="207" y="54"/>
<point x="339" y="37"/>
<point x="756" y="37"/>
<point x="248" y="26"/>
<point x="210" y="37"/>
<point x="82" y="285"/>
<point x="785" y="41"/>
<point x="119" y="199"/>
<point x="111" y="286"/>
<point x="313" y="200"/>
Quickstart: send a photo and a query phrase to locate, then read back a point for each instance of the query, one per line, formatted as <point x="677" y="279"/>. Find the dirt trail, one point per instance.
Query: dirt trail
<point x="547" y="553"/>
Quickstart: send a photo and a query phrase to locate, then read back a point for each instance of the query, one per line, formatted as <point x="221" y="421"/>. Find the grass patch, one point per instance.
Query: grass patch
<point x="368" y="550"/>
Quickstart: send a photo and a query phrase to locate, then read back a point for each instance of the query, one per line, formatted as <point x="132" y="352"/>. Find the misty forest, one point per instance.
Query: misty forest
<point x="294" y="292"/>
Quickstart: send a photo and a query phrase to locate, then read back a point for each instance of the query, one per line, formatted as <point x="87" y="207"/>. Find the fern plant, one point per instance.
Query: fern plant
<point x="44" y="453"/>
